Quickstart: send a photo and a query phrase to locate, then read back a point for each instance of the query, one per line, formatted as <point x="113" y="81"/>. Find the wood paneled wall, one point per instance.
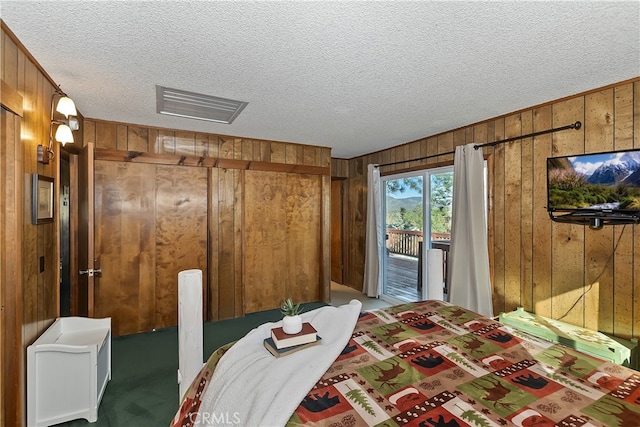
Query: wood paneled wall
<point x="538" y="264"/>
<point x="268" y="203"/>
<point x="151" y="223"/>
<point x="339" y="168"/>
<point x="30" y="294"/>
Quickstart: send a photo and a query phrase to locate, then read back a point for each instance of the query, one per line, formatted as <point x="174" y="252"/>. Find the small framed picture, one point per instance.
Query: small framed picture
<point x="42" y="204"/>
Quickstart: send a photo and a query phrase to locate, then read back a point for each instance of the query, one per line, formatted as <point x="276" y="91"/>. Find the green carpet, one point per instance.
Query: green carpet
<point x="143" y="390"/>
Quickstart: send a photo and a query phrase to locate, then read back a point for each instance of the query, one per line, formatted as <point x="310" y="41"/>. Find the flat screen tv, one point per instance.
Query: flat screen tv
<point x="595" y="189"/>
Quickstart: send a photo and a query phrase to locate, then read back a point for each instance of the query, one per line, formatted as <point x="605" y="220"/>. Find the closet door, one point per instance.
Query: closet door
<point x="180" y="235"/>
<point x="282" y="238"/>
<point x="150" y="223"/>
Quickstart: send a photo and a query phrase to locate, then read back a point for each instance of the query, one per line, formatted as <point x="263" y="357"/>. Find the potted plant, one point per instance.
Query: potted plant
<point x="291" y="322"/>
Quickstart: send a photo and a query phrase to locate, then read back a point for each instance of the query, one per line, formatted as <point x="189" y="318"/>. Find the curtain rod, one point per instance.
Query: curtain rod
<point x="577" y="125"/>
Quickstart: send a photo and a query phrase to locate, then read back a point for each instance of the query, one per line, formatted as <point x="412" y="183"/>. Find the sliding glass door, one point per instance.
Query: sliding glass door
<point x="417" y="213"/>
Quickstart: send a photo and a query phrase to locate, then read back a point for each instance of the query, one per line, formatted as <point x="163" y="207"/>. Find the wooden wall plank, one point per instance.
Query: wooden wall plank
<point x="340" y="168"/>
<point x="226" y="148"/>
<point x="500" y="214"/>
<point x="303" y="227"/>
<point x="89" y="131"/>
<point x="49" y="305"/>
<point x="265" y="240"/>
<point x="10" y="54"/>
<point x="623" y="274"/>
<point x="568" y="239"/>
<point x="202" y="145"/>
<point x="414" y="153"/>
<point x="542" y="243"/>
<point x="325" y="157"/>
<point x="278" y="152"/>
<point x="526" y="212"/>
<point x="11" y="99"/>
<point x="264" y="151"/>
<point x="122" y="137"/>
<point x="213" y="148"/>
<point x="598" y="137"/>
<point x="325" y="240"/>
<point x="31" y="250"/>
<point x="226" y="242"/>
<point x="459" y="139"/>
<point x="214" y="248"/>
<point x="445" y="145"/>
<point x="247" y="150"/>
<point x="239" y="206"/>
<point x="185" y="143"/>
<point x="105" y="136"/>
<point x="237" y="148"/>
<point x="357" y="217"/>
<point x="623" y="117"/>
<point x="309" y="155"/>
<point x="512" y="213"/>
<point x="165" y="142"/>
<point x="137" y="138"/>
<point x="383" y="158"/>
<point x="180" y="234"/>
<point x="291" y="154"/>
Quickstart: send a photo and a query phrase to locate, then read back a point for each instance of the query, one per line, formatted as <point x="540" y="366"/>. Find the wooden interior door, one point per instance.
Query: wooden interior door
<point x="337" y="261"/>
<point x="151" y="223"/>
<point x="125" y="245"/>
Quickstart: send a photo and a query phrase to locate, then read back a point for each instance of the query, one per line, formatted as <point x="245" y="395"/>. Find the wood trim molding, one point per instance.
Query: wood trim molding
<point x="12" y="344"/>
<point x="211" y="162"/>
<point x="11" y="99"/>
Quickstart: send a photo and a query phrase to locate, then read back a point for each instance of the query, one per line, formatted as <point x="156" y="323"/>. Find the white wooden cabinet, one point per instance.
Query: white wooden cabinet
<point x="68" y="368"/>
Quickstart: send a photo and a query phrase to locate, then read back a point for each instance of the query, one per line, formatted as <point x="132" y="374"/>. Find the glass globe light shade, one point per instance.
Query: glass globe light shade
<point x="64" y="135"/>
<point x="67" y="107"/>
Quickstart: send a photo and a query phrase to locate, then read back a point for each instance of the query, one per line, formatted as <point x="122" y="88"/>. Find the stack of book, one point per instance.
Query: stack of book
<point x="280" y="343"/>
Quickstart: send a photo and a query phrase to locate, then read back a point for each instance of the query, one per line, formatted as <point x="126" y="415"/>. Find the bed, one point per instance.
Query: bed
<point x="434" y="364"/>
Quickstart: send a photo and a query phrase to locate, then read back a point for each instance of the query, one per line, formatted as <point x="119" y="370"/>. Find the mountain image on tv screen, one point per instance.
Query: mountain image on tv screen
<point x="598" y="182"/>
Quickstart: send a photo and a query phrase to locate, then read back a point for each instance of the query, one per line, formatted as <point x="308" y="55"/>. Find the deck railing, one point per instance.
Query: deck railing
<point x="407" y="242"/>
<point x="403" y="242"/>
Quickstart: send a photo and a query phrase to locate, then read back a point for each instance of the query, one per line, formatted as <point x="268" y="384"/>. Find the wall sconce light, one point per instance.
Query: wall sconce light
<point x="63" y="135"/>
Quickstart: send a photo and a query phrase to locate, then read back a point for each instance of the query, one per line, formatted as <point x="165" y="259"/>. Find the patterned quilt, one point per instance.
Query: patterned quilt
<point x="431" y="364"/>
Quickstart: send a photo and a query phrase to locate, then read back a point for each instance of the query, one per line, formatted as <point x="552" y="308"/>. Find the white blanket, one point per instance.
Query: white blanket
<point x="251" y="387"/>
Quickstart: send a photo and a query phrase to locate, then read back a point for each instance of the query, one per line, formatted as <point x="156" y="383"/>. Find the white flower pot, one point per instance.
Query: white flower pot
<point x="292" y="324"/>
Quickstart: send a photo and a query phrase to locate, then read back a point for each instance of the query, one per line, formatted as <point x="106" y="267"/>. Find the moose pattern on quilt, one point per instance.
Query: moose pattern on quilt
<point x="432" y="364"/>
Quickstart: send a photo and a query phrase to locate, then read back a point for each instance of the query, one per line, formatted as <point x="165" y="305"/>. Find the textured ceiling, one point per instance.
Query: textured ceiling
<point x="355" y="76"/>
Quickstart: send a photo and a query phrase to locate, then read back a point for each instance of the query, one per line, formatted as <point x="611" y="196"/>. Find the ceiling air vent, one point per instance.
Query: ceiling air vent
<point x="175" y="102"/>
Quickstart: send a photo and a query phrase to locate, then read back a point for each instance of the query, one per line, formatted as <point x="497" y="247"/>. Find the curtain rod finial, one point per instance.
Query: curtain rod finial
<point x="577" y="125"/>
